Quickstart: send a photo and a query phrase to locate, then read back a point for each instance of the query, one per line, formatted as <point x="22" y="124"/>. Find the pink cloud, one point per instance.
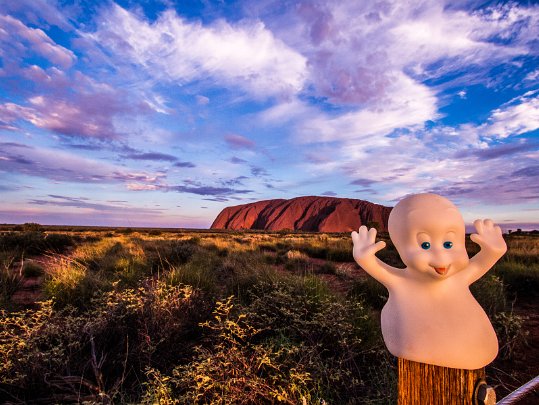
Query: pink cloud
<point x="37" y="11"/>
<point x="87" y="111"/>
<point x="66" y="167"/>
<point x="239" y="142"/>
<point x="37" y="40"/>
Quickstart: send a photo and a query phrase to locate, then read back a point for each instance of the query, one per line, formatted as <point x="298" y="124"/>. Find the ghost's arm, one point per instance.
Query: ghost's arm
<point x="489" y="238"/>
<point x="365" y="249"/>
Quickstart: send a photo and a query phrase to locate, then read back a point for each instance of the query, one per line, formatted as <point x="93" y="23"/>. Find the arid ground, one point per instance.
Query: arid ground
<point x="182" y="316"/>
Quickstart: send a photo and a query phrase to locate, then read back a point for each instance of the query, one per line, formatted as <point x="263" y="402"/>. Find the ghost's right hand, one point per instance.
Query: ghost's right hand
<point x="365" y="245"/>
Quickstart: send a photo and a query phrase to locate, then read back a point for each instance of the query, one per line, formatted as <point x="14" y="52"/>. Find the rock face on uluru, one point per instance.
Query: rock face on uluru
<point x="322" y="214"/>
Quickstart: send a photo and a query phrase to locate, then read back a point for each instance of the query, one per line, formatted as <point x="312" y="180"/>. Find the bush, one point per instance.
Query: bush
<point x="71" y="283"/>
<point x="32" y="227"/>
<point x="331" y="337"/>
<point x="36" y="343"/>
<point x="101" y="354"/>
<point x="34" y="243"/>
<point x="522" y="279"/>
<point x="512" y="337"/>
<point x="369" y="290"/>
<point x="199" y="272"/>
<point x="235" y="370"/>
<point x="489" y="291"/>
<point x="10" y="279"/>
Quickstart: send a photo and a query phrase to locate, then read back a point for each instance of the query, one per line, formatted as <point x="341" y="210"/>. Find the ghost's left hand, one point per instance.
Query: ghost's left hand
<point x="489" y="236"/>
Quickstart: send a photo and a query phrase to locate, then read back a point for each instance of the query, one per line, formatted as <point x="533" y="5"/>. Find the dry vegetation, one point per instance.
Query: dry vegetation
<point x="131" y="316"/>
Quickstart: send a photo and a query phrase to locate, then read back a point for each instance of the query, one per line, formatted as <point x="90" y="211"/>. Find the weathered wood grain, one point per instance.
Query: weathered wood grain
<point x="426" y="384"/>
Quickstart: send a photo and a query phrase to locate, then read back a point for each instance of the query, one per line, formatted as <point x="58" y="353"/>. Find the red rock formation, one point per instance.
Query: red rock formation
<point x="322" y="214"/>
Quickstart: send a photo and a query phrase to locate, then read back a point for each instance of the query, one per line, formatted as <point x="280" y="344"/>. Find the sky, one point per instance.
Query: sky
<point x="162" y="113"/>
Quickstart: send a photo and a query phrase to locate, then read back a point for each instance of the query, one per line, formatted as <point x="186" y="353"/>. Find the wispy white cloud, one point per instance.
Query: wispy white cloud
<point x="411" y="105"/>
<point x="245" y="55"/>
<point x="516" y="117"/>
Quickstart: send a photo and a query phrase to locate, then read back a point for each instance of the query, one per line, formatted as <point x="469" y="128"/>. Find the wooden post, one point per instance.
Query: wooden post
<point x="426" y="384"/>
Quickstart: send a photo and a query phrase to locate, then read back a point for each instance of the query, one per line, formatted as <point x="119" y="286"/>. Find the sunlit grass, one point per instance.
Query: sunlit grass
<point x="127" y="307"/>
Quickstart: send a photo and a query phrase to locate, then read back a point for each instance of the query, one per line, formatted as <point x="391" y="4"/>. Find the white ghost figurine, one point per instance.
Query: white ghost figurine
<point x="431" y="316"/>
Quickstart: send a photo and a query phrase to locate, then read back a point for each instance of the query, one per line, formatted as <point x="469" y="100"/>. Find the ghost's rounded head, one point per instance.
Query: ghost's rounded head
<point x="429" y="234"/>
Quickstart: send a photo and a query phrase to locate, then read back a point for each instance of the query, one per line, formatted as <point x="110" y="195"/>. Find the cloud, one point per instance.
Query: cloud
<point x="329" y="194"/>
<point x="66" y="167"/>
<point x="381" y="64"/>
<point x="258" y="171"/>
<point x="235" y="181"/>
<point x="239" y="142"/>
<point x="36" y="11"/>
<point x="155" y="156"/>
<point x="36" y="39"/>
<point x="362" y="182"/>
<point x="236" y="160"/>
<point x="55" y="95"/>
<point x="497" y="151"/>
<point x="242" y="56"/>
<point x="184" y="164"/>
<point x="207" y="190"/>
<point x="84" y="115"/>
<point x="143" y="187"/>
<point x="354" y="60"/>
<point x="517" y="117"/>
<point x="411" y="105"/>
<point x="202" y="100"/>
<point x="77" y="202"/>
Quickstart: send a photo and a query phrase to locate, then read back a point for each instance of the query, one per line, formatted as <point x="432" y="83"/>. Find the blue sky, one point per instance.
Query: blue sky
<point x="162" y="113"/>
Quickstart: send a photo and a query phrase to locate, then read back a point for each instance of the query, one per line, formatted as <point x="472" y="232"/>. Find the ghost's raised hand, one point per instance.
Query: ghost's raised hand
<point x="364" y="243"/>
<point x="489" y="238"/>
<point x="365" y="248"/>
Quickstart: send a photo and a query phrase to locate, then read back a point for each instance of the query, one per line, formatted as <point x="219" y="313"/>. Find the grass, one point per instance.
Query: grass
<point x="164" y="316"/>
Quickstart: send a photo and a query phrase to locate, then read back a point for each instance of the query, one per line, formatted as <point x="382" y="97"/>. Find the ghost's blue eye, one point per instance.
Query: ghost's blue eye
<point x="448" y="245"/>
<point x="425" y="245"/>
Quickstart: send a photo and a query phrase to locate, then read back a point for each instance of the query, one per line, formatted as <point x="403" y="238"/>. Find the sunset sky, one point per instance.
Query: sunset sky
<point x="162" y="113"/>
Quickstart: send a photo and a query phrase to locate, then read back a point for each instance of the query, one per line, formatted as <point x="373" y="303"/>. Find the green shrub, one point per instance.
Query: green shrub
<point x="235" y="370"/>
<point x="99" y="355"/>
<point x="34" y="243"/>
<point x="369" y="290"/>
<point x="57" y="242"/>
<point x="489" y="291"/>
<point x="35" y="343"/>
<point x="32" y="227"/>
<point x="71" y="283"/>
<point x="10" y="279"/>
<point x="521" y="279"/>
<point x="331" y="337"/>
<point x="199" y="272"/>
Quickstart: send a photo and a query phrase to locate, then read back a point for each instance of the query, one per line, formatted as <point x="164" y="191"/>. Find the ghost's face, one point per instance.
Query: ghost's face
<point x="430" y="236"/>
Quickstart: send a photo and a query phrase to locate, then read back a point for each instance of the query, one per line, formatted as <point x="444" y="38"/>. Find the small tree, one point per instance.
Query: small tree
<point x="32" y="227"/>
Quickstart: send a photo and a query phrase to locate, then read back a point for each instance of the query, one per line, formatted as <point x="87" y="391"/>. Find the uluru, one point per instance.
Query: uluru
<point x="311" y="214"/>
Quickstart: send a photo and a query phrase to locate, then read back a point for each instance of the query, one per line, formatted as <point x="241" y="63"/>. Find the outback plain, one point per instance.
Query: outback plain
<point x="128" y="315"/>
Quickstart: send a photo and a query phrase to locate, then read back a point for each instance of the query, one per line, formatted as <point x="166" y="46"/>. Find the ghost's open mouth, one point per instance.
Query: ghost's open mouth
<point x="441" y="270"/>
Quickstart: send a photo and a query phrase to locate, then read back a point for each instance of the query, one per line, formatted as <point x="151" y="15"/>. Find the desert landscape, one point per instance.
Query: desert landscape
<point x="199" y="316"/>
<point x="196" y="199"/>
